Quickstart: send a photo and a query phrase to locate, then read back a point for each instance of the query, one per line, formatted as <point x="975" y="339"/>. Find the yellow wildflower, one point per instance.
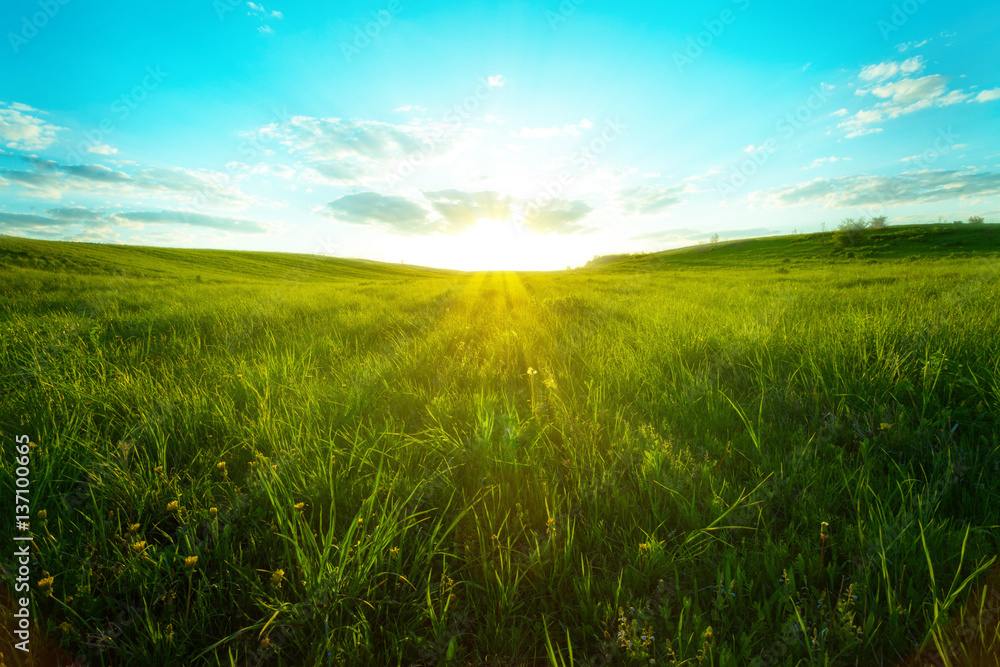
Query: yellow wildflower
<point x="190" y="562"/>
<point x="277" y="577"/>
<point x="173" y="506"/>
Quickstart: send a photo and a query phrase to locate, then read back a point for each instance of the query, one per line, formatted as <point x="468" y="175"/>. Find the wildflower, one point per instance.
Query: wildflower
<point x="265" y="642"/>
<point x="221" y="466"/>
<point x="532" y="371"/>
<point x="139" y="546"/>
<point x="134" y="528"/>
<point x="173" y="506"/>
<point x="277" y="577"/>
<point x="66" y="626"/>
<point x="394" y="552"/>
<point x="708" y="633"/>
<point x="46" y="583"/>
<point x="885" y="426"/>
<point x="300" y="506"/>
<point x="42" y="514"/>
<point x="214" y="511"/>
<point x="158" y="469"/>
<point x="190" y="562"/>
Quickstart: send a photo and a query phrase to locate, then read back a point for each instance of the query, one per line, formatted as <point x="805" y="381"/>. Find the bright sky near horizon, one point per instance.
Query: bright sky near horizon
<point x="521" y="135"/>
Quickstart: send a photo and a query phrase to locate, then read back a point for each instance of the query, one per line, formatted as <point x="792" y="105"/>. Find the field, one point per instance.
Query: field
<point x="776" y="451"/>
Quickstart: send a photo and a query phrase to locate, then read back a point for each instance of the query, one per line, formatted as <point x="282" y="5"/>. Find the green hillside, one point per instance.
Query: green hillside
<point x="780" y="451"/>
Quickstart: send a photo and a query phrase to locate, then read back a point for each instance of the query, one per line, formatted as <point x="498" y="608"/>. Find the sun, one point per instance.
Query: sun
<point x="503" y="245"/>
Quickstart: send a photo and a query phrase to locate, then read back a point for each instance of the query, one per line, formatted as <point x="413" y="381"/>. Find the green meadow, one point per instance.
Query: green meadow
<point x="780" y="451"/>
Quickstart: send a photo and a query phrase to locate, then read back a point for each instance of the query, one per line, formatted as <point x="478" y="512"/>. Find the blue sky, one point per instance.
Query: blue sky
<point x="476" y="135"/>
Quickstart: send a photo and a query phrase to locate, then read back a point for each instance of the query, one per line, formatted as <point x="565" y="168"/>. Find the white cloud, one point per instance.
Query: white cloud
<point x="496" y="81"/>
<point x="409" y="107"/>
<point x="22" y="128"/>
<point x="265" y="30"/>
<point x="900" y="94"/>
<point x="102" y="149"/>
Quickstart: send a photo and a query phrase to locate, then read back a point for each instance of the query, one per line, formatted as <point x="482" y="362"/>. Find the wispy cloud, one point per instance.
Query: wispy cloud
<point x="650" y="199"/>
<point x="820" y="161"/>
<point x="51" y="179"/>
<point x="96" y="220"/>
<point x="912" y="187"/>
<point x="906" y="46"/>
<point x="351" y="152"/>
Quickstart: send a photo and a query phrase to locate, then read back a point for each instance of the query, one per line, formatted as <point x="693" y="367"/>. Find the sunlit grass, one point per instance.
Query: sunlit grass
<point x="693" y="457"/>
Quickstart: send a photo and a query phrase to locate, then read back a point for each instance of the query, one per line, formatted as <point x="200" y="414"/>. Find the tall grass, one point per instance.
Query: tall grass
<point x="368" y="472"/>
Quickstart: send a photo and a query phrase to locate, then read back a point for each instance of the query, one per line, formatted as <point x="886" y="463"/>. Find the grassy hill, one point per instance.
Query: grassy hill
<point x="211" y="265"/>
<point x="758" y="452"/>
<point x="906" y="242"/>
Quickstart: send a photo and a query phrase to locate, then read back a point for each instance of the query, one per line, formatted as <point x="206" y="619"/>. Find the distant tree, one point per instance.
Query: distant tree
<point x="878" y="222"/>
<point x="852" y="231"/>
<point x="715" y="238"/>
<point x="976" y="220"/>
<point x="957" y="223"/>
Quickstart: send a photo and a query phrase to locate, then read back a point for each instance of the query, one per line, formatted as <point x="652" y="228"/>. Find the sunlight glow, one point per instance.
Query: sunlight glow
<point x="494" y="245"/>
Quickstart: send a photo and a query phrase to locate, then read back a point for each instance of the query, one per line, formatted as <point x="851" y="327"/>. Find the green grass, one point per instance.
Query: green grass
<point x="592" y="467"/>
